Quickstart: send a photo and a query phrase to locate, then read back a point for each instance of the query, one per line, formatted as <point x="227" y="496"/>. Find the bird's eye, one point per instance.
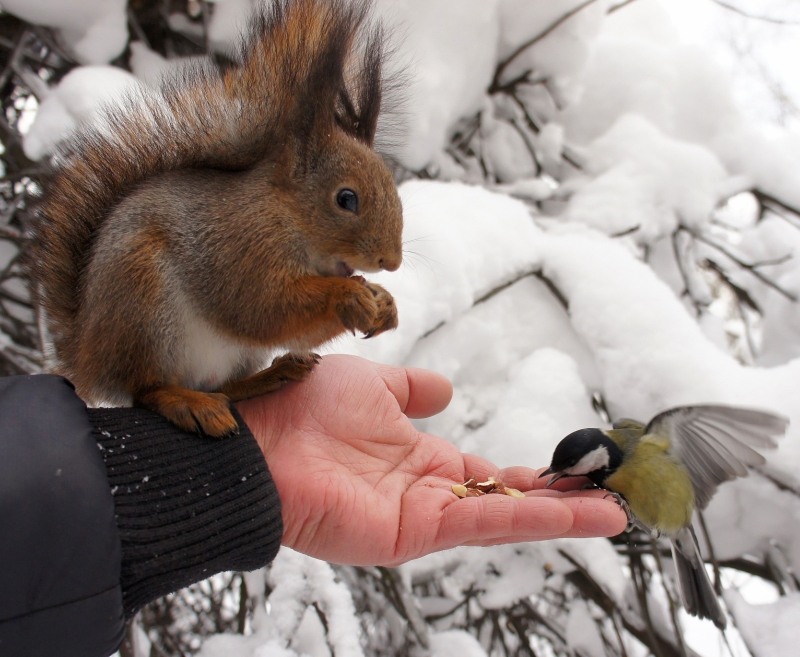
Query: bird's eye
<point x="347" y="199"/>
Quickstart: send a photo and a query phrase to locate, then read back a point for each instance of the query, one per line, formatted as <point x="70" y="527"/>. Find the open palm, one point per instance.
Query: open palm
<point x="359" y="484"/>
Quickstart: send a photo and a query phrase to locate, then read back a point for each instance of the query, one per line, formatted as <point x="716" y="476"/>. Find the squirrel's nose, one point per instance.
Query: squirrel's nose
<point x="390" y="263"/>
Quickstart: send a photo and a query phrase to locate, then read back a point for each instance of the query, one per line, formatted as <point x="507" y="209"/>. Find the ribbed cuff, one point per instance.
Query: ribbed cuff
<point x="187" y="506"/>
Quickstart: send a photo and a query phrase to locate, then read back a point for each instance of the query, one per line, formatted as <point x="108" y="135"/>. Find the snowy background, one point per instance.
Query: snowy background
<point x="602" y="206"/>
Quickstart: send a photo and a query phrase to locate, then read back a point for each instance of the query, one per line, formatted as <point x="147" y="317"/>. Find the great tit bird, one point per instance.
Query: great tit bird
<point x="668" y="468"/>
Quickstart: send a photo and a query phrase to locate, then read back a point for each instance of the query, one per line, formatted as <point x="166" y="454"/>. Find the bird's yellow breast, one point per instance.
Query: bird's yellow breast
<point x="656" y="487"/>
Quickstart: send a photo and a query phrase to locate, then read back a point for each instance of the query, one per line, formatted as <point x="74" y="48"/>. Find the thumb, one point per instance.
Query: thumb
<point x="420" y="393"/>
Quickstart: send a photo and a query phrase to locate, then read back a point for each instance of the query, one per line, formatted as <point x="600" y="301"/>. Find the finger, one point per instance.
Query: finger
<point x="479" y="468"/>
<point x="595" y="514"/>
<point x="489" y="518"/>
<point x="420" y="393"/>
<point x="495" y="519"/>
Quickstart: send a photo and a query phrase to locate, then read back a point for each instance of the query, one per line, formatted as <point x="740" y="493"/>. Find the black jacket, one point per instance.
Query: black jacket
<point x="103" y="510"/>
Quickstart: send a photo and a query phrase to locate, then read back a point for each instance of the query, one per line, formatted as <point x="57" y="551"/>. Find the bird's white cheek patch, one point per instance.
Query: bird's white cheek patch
<point x="597" y="459"/>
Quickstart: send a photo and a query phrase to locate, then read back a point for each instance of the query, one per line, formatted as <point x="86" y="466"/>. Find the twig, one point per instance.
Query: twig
<point x="752" y="268"/>
<point x="498" y="74"/>
<point x="673" y="606"/>
<point x="46" y="37"/>
<point x="504" y="286"/>
<point x="782" y="570"/>
<point x="557" y="632"/>
<point x="757" y="17"/>
<point x="554" y="290"/>
<point x="767" y="200"/>
<point x="528" y="145"/>
<point x="136" y="27"/>
<point x="14" y="59"/>
<point x="626" y="231"/>
<point x="241" y="614"/>
<point x="9" y="232"/>
<point x="568" y="156"/>
<point x="640" y="585"/>
<point x="590" y="589"/>
<point x="404" y="603"/>
<point x="742" y="295"/>
<point x="515" y="621"/>
<point x="625" y="3"/>
<point x="679" y="261"/>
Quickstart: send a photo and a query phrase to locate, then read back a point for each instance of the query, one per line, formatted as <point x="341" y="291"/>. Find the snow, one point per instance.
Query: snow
<point x="737" y="520"/>
<point x="582" y="634"/>
<point x="770" y="630"/>
<point x="94" y="31"/>
<point x="455" y="642"/>
<point x="543" y="396"/>
<point x="76" y="98"/>
<point x="449" y="56"/>
<point x="564" y="53"/>
<point x="290" y="626"/>
<point x="227" y="21"/>
<point x="661" y="182"/>
<point x="687" y="95"/>
<point x="150" y="67"/>
<point x="550" y="284"/>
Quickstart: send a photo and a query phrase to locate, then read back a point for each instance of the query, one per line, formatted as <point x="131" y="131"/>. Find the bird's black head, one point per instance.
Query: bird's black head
<point x="584" y="453"/>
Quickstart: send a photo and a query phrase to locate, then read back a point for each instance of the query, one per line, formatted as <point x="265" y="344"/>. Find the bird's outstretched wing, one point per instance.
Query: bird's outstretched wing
<point x="717" y="442"/>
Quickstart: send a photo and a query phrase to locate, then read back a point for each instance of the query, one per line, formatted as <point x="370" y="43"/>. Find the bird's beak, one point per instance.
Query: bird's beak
<point x="554" y="476"/>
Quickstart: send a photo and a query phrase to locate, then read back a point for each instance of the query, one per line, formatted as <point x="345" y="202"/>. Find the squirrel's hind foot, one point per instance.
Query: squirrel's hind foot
<point x="191" y="410"/>
<point x="289" y="367"/>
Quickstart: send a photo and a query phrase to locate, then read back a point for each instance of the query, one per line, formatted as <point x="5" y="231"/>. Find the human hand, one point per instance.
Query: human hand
<point x="360" y="485"/>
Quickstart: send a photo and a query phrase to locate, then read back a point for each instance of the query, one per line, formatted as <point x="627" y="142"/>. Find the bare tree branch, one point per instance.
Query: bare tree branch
<point x="757" y="17"/>
<point x="503" y="65"/>
<point x="621" y="5"/>
<point x="751" y="268"/>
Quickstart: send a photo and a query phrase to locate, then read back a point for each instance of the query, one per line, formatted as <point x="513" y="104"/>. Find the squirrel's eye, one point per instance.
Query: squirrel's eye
<point x="347" y="199"/>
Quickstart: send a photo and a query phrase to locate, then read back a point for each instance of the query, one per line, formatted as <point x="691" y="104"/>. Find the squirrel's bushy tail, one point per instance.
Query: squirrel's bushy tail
<point x="305" y="64"/>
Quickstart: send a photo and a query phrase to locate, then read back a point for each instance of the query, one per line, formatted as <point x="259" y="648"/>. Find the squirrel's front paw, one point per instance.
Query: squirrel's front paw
<point x="371" y="310"/>
<point x="386" y="316"/>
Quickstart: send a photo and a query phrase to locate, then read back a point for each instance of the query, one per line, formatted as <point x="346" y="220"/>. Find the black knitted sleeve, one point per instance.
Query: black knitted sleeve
<point x="186" y="506"/>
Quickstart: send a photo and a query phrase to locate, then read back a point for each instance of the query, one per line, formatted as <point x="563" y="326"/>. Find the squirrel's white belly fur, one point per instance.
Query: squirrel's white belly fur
<point x="208" y="359"/>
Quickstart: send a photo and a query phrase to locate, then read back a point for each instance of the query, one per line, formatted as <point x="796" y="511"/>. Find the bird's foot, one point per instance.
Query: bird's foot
<point x="623" y="504"/>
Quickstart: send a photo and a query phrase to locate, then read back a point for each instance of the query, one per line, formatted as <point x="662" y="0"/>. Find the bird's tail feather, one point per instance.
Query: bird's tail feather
<point x="697" y="592"/>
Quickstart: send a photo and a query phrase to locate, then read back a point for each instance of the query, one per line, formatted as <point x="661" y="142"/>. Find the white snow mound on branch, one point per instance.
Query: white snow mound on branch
<point x="75" y="99"/>
<point x="770" y="630"/>
<point x="94" y="31"/>
<point x="641" y="177"/>
<point x="291" y="626"/>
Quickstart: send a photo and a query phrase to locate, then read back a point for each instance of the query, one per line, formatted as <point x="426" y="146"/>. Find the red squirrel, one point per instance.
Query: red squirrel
<point x="199" y="227"/>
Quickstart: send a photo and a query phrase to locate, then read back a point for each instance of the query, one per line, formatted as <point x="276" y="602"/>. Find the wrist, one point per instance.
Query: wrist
<point x="262" y="420"/>
<point x="186" y="506"/>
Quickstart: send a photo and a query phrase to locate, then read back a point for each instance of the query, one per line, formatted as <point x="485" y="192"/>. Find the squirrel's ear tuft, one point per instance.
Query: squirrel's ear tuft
<point x="359" y="102"/>
<point x="343" y="81"/>
<point x="321" y="63"/>
<point x="309" y="68"/>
